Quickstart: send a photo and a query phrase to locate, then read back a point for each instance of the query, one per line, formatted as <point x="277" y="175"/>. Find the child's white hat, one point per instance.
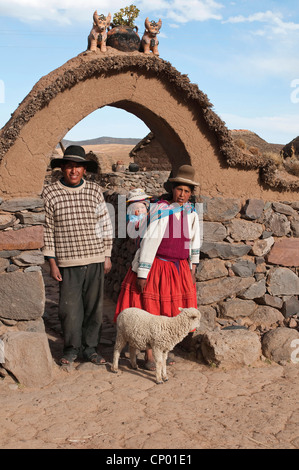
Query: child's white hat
<point x="137" y="194"/>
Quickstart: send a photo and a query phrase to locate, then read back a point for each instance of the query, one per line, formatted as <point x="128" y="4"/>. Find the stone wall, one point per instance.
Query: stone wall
<point x="150" y="155"/>
<point x="122" y="181"/>
<point x="22" y="292"/>
<point x="249" y="263"/>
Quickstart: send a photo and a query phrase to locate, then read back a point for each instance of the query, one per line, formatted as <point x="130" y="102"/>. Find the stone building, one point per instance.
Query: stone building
<point x="150" y="155"/>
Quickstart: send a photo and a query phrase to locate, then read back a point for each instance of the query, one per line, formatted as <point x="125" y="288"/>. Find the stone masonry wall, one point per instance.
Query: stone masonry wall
<point x="22" y="291"/>
<point x="150" y="155"/>
<point x="249" y="263"/>
<point x="123" y="181"/>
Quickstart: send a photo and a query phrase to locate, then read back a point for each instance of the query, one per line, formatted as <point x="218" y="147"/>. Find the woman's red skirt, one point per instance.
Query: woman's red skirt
<point x="168" y="287"/>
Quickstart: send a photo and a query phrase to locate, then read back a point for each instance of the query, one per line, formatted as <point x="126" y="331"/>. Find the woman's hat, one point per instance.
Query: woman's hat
<point x="185" y="174"/>
<point x="75" y="153"/>
<point x="137" y="194"/>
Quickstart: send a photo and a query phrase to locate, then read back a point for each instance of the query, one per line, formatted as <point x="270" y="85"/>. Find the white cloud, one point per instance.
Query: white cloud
<point x="59" y="11"/>
<point x="67" y="11"/>
<point x="273" y="53"/>
<point x="282" y="27"/>
<point x="183" y="11"/>
<point x="260" y="16"/>
<point x="273" y="20"/>
<point x="274" y="129"/>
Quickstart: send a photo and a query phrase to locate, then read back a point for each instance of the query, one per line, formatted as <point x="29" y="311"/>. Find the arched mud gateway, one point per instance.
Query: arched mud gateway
<point x="176" y="111"/>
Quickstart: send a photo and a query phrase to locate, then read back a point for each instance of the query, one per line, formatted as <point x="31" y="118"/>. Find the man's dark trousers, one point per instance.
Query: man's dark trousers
<point x="81" y="308"/>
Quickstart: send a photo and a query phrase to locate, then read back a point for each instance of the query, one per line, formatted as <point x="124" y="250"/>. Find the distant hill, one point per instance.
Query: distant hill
<point x="253" y="140"/>
<point x="101" y="141"/>
<point x="250" y="138"/>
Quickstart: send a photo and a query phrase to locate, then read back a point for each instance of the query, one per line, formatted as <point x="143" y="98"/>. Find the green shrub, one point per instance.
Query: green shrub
<point x="126" y="16"/>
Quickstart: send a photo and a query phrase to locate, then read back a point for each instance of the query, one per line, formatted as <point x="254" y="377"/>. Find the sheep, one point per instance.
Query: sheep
<point x="143" y="330"/>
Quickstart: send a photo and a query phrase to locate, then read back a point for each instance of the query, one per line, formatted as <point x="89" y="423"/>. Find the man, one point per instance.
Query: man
<point x="78" y="243"/>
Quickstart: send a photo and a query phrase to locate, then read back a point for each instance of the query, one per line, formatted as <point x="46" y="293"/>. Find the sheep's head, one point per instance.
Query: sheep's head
<point x="193" y="314"/>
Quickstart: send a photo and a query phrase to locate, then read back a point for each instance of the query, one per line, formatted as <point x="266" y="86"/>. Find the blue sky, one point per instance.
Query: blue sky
<point x="244" y="55"/>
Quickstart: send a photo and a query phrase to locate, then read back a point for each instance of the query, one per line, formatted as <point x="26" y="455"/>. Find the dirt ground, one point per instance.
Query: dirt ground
<point x="199" y="407"/>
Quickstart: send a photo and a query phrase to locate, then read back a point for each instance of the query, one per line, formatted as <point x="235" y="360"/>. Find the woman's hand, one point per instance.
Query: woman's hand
<point x="140" y="284"/>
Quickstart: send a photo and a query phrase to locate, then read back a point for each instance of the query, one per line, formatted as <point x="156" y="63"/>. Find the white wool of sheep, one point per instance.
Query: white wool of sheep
<point x="143" y="330"/>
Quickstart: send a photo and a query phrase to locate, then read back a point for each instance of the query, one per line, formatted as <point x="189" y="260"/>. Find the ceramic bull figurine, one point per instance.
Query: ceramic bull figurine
<point x="98" y="34"/>
<point x="149" y="40"/>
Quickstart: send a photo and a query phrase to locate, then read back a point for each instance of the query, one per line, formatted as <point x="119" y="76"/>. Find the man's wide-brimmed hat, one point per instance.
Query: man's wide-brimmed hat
<point x="185" y="174"/>
<point x="75" y="153"/>
<point x="136" y="195"/>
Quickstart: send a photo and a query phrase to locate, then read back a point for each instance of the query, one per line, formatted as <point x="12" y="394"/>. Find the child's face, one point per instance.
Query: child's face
<point x="140" y="208"/>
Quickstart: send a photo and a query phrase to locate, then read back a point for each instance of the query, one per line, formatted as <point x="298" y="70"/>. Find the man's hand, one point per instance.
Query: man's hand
<point x="107" y="265"/>
<point x="54" y="270"/>
<point x="140" y="284"/>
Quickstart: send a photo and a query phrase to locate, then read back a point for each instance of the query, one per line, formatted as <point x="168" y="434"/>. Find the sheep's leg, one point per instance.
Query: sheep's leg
<point x="132" y="351"/>
<point x="116" y="355"/>
<point x="158" y="360"/>
<point x="119" y="345"/>
<point x="164" y="370"/>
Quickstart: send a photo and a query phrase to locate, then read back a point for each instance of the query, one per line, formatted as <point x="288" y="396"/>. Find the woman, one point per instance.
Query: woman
<point x="162" y="276"/>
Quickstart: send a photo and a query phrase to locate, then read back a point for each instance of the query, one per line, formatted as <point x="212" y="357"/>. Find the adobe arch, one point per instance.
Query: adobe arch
<point x="175" y="110"/>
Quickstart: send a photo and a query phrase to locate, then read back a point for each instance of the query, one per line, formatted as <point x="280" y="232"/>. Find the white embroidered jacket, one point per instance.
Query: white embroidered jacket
<point x="152" y="238"/>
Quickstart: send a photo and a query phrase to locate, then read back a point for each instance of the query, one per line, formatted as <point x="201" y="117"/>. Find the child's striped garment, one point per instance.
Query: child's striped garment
<point x="78" y="229"/>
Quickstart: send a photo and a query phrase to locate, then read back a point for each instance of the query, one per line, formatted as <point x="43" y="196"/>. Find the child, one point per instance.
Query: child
<point x="137" y="211"/>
